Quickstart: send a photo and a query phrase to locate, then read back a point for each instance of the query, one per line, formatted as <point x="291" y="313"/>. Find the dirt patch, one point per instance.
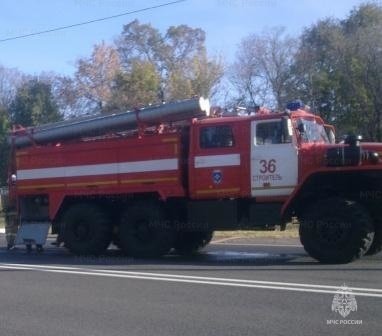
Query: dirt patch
<point x="290" y="232"/>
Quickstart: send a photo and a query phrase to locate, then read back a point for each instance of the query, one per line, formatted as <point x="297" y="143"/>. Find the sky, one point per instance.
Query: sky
<point x="225" y="22"/>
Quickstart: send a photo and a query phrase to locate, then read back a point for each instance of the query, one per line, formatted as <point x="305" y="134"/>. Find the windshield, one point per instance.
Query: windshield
<point x="311" y="131"/>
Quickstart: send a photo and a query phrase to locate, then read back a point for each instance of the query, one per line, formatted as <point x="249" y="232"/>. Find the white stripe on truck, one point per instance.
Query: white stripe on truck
<point x="224" y="160"/>
<point x="98" y="169"/>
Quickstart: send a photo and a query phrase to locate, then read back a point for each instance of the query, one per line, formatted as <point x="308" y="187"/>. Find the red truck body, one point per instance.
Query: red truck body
<point x="101" y="167"/>
<point x="234" y="172"/>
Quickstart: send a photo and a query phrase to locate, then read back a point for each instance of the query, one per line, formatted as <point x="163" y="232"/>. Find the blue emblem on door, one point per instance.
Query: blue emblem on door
<point x="217" y="176"/>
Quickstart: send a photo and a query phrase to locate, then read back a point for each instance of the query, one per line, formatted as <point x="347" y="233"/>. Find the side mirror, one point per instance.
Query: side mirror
<point x="353" y="140"/>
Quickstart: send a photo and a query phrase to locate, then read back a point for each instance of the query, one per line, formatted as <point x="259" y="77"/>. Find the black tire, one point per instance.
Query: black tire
<point x="143" y="232"/>
<point x="336" y="230"/>
<point x="376" y="245"/>
<point x="189" y="243"/>
<point x="87" y="230"/>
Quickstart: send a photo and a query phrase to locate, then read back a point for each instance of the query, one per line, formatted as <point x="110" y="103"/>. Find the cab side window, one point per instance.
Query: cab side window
<point x="216" y="137"/>
<point x="269" y="133"/>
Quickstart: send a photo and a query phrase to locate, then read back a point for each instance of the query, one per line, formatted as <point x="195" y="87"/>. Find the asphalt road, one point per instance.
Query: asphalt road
<point x="235" y="287"/>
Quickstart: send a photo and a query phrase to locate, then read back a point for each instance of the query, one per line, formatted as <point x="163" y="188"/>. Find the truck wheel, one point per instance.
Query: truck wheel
<point x="87" y="230"/>
<point x="376" y="245"/>
<point x="188" y="243"/>
<point x="336" y="230"/>
<point x="143" y="232"/>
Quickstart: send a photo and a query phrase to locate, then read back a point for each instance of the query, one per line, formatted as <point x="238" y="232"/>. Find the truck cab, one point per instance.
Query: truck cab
<point x="258" y="171"/>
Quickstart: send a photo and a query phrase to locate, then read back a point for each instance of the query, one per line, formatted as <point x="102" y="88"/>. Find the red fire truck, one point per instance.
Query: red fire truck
<point x="165" y="177"/>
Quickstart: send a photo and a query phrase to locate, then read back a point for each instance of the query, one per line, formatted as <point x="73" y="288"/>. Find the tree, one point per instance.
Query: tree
<point x="10" y="80"/>
<point x="179" y="58"/>
<point x="94" y="79"/>
<point x="67" y="97"/>
<point x="137" y="87"/>
<point x="315" y="73"/>
<point x="363" y="31"/>
<point x="262" y="68"/>
<point x="143" y="67"/>
<point x="4" y="147"/>
<point x="34" y="104"/>
<point x="197" y="78"/>
<point x="337" y="70"/>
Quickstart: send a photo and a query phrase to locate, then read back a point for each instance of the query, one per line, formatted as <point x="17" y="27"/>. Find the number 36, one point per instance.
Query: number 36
<point x="267" y="166"/>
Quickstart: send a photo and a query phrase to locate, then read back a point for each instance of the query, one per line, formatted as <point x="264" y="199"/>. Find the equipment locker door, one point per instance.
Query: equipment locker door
<point x="274" y="159"/>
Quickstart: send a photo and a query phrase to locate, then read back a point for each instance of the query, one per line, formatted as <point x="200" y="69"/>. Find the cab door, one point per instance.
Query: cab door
<point x="274" y="159"/>
<point x="215" y="162"/>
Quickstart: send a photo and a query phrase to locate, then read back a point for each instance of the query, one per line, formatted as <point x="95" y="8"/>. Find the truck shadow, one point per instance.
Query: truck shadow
<point x="203" y="261"/>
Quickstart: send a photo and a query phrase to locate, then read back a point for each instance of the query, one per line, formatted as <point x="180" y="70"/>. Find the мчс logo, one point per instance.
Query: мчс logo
<point x="344" y="301"/>
<point x="217" y="176"/>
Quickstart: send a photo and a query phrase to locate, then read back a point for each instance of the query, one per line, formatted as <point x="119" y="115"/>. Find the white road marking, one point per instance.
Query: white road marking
<point x="286" y="286"/>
